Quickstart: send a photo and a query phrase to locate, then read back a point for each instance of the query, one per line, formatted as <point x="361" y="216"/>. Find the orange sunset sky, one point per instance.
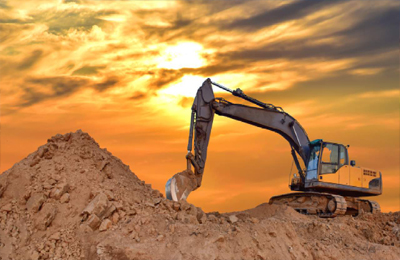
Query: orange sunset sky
<point x="126" y="72"/>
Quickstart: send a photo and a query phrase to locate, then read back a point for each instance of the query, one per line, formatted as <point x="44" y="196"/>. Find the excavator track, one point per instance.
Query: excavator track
<point x="313" y="203"/>
<point x="325" y="205"/>
<point x="356" y="205"/>
<point x="374" y="206"/>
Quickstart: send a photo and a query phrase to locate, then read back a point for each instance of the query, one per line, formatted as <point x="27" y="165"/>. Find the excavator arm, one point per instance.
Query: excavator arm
<point x="265" y="116"/>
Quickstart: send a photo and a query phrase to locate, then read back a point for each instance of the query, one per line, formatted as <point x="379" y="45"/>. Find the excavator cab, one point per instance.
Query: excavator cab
<point x="332" y="184"/>
<point x="325" y="158"/>
<point x="329" y="170"/>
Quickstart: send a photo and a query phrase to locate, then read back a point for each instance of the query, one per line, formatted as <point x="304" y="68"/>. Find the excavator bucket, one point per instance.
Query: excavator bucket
<point x="179" y="186"/>
<point x="183" y="183"/>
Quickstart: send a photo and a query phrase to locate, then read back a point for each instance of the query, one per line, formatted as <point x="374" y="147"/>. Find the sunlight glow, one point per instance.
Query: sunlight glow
<point x="182" y="55"/>
<point x="187" y="86"/>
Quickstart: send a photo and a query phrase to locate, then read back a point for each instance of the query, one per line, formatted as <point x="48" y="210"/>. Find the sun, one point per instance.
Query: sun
<point x="182" y="55"/>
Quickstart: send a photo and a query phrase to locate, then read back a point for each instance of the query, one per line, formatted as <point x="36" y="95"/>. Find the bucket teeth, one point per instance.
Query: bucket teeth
<point x="170" y="189"/>
<point x="179" y="187"/>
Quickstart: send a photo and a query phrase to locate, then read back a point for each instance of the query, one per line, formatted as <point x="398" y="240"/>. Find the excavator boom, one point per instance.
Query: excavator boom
<point x="266" y="116"/>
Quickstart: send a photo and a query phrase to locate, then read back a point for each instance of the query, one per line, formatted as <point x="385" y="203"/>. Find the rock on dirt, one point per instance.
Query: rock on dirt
<point x="35" y="202"/>
<point x="106" y="224"/>
<point x="71" y="199"/>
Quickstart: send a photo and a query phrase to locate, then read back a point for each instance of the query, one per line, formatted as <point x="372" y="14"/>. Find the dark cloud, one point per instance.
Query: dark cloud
<point x="72" y="1"/>
<point x="287" y="12"/>
<point x="163" y="77"/>
<point x="108" y="83"/>
<point x="135" y="55"/>
<point x="138" y="96"/>
<point x="10" y="51"/>
<point x="55" y="87"/>
<point x="11" y="32"/>
<point x="389" y="63"/>
<point x="31" y="60"/>
<point x="60" y="22"/>
<point x="212" y="7"/>
<point x="186" y="23"/>
<point x="169" y="31"/>
<point x="87" y="70"/>
<point x="214" y="68"/>
<point x="4" y="5"/>
<point x="376" y="33"/>
<point x="330" y="88"/>
<point x="379" y="31"/>
<point x="12" y="20"/>
<point x="117" y="46"/>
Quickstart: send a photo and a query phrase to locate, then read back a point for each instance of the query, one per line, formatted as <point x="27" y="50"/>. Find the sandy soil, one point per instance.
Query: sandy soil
<point x="71" y="199"/>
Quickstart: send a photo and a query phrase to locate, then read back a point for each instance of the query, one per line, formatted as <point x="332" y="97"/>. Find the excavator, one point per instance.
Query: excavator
<point x="326" y="183"/>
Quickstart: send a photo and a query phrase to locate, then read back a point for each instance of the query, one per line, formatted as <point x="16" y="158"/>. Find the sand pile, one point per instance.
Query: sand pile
<point x="73" y="200"/>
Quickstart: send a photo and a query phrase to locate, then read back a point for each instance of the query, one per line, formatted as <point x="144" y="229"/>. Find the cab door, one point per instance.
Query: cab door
<point x="344" y="169"/>
<point x="329" y="164"/>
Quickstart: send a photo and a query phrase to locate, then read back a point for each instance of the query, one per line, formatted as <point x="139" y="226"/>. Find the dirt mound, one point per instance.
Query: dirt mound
<point x="71" y="199"/>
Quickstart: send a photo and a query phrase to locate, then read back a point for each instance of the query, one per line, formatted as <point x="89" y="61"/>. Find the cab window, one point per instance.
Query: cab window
<point x="342" y="156"/>
<point x="330" y="158"/>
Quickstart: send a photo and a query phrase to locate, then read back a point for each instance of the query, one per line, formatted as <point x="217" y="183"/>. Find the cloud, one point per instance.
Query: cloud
<point x="184" y="20"/>
<point x="169" y="27"/>
<point x="388" y="60"/>
<point x="31" y="60"/>
<point x="10" y="32"/>
<point x="214" y="68"/>
<point x="60" y="22"/>
<point x="51" y="87"/>
<point x="108" y="83"/>
<point x="87" y="70"/>
<point x="36" y="90"/>
<point x="122" y="49"/>
<point x="163" y="77"/>
<point x="381" y="94"/>
<point x="138" y="96"/>
<point x="4" y="5"/>
<point x="373" y="34"/>
<point x="72" y="1"/>
<point x="10" y="20"/>
<point x="367" y="71"/>
<point x="291" y="11"/>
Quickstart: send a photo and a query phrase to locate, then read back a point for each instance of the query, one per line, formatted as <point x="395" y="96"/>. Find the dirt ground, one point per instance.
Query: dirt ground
<point x="71" y="199"/>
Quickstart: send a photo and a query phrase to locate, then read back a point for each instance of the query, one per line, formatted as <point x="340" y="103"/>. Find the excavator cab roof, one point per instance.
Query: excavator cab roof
<point x="316" y="142"/>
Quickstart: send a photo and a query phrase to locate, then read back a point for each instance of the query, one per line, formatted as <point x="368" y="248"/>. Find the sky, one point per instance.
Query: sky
<point x="126" y="72"/>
